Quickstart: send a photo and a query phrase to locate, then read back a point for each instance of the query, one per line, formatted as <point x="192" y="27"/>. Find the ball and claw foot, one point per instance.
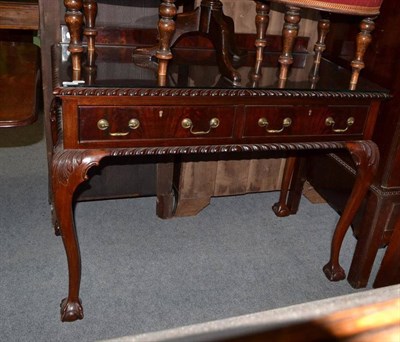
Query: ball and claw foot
<point x="334" y="272"/>
<point x="71" y="311"/>
<point x="281" y="210"/>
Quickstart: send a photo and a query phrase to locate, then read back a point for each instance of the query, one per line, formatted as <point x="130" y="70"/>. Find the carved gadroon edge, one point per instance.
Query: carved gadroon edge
<point x="209" y="149"/>
<point x="66" y="162"/>
<point x="182" y="92"/>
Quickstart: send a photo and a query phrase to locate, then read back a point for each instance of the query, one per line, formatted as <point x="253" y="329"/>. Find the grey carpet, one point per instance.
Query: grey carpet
<point x="141" y="273"/>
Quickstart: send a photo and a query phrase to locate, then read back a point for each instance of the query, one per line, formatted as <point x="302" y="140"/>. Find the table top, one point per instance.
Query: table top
<point x="121" y="68"/>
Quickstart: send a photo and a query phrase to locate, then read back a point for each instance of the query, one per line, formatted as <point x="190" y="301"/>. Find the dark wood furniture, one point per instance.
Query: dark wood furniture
<point x="381" y="209"/>
<point x="369" y="8"/>
<point x="19" y="14"/>
<point x="346" y="325"/>
<point x="121" y="110"/>
<point x="208" y="20"/>
<point x="389" y="270"/>
<point x="116" y="179"/>
<point x="20" y="73"/>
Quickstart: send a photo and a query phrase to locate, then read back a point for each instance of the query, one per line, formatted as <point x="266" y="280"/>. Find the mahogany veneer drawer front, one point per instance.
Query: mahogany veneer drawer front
<point x="108" y="123"/>
<point x="264" y="121"/>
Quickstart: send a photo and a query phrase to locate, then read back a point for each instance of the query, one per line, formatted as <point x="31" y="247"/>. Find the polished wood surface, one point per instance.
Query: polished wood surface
<point x="19" y="15"/>
<point x="19" y="86"/>
<point x="128" y="15"/>
<point x="19" y="73"/>
<point x="290" y="31"/>
<point x="208" y="20"/>
<point x="389" y="270"/>
<point x="365" y="323"/>
<point x="134" y="24"/>
<point x="121" y="110"/>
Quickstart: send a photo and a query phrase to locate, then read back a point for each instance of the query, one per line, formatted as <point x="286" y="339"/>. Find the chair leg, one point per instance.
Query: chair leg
<point x="289" y="34"/>
<point x="319" y="48"/>
<point x="166" y="30"/>
<point x="74" y="22"/>
<point x="90" y="13"/>
<point x="363" y="40"/>
<point x="262" y="21"/>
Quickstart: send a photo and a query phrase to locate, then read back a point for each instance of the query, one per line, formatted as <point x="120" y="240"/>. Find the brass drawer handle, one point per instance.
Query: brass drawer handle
<point x="263" y="122"/>
<point x="103" y="125"/>
<point x="188" y="124"/>
<point x="330" y="122"/>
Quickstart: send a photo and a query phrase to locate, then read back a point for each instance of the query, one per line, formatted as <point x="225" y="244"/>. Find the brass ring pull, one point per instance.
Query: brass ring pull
<point x="103" y="125"/>
<point x="188" y="124"/>
<point x="330" y="122"/>
<point x="263" y="122"/>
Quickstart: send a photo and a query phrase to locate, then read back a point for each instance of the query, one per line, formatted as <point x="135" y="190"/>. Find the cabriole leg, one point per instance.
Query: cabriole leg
<point x="69" y="169"/>
<point x="365" y="154"/>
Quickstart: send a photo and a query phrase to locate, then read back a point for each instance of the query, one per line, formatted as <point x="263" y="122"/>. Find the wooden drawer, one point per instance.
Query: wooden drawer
<point x="148" y="122"/>
<point x="263" y="121"/>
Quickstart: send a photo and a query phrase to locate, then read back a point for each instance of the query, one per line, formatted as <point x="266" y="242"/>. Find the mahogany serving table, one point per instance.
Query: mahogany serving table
<point x="120" y="110"/>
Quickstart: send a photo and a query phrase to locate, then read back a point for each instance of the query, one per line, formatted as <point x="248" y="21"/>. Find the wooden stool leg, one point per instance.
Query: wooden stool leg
<point x="166" y="30"/>
<point x="366" y="156"/>
<point x="262" y="21"/>
<point x="363" y="40"/>
<point x="90" y="32"/>
<point x="319" y="48"/>
<point x="292" y="186"/>
<point x="74" y="22"/>
<point x="289" y="34"/>
<point x="90" y="12"/>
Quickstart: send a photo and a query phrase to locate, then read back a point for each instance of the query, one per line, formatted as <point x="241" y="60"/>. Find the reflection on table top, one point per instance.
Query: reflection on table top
<point x="121" y="67"/>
